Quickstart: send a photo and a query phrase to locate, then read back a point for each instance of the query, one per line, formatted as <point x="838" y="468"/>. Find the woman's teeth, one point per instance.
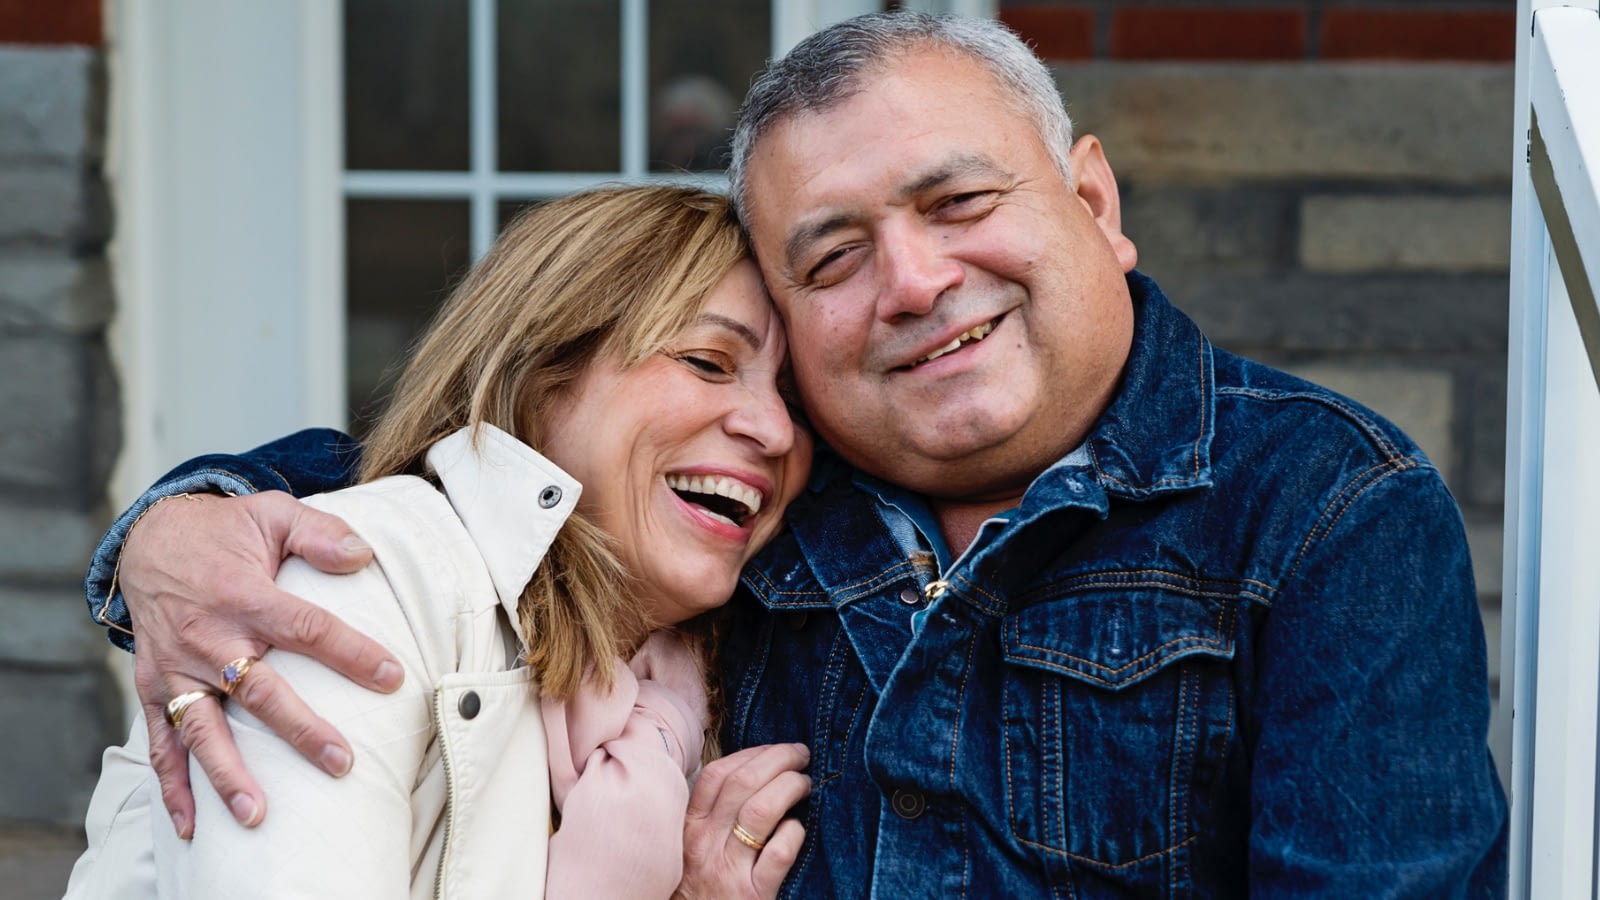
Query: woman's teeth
<point x="973" y="334"/>
<point x="746" y="501"/>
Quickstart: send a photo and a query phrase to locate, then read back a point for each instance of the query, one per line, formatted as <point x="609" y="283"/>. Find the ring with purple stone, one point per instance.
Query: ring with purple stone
<point x="233" y="673"/>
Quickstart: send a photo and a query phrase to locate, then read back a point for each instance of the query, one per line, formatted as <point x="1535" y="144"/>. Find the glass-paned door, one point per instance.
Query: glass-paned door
<point x="458" y="113"/>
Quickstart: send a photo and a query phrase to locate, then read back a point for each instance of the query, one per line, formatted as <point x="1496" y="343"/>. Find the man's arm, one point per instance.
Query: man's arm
<point x="1371" y="773"/>
<point x="194" y="581"/>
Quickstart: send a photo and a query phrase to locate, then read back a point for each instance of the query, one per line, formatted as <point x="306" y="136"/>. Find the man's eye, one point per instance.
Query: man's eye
<point x="832" y="268"/>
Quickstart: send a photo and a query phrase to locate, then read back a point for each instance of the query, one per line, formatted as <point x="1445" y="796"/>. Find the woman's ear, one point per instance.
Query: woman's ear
<point x="1097" y="188"/>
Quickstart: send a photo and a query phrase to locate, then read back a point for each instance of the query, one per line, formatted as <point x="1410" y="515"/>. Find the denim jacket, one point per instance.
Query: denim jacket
<point x="1229" y="647"/>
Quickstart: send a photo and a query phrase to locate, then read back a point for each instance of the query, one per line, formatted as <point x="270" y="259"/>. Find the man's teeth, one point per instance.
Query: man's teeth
<point x="973" y="334"/>
<point x="719" y="486"/>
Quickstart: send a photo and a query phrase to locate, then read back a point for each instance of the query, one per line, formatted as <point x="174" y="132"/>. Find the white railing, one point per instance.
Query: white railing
<point x="1551" y="592"/>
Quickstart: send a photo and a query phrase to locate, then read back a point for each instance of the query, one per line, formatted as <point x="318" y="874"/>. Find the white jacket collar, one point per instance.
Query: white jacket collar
<point x="512" y="501"/>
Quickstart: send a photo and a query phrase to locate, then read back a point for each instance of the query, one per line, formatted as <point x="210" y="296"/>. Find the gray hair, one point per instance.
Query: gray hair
<point x="829" y="67"/>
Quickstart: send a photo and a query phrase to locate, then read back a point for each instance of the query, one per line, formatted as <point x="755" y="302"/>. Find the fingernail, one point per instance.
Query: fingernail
<point x="352" y="544"/>
<point x="388" y="675"/>
<point x="804" y="749"/>
<point x="335" y="760"/>
<point x="180" y="824"/>
<point x="244" y="809"/>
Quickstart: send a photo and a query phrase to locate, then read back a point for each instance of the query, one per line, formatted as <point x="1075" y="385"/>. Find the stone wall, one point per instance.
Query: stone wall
<point x="58" y="427"/>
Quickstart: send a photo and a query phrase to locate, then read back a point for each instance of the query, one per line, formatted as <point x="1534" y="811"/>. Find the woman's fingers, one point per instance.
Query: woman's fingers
<point x="753" y="788"/>
<point x="774" y="861"/>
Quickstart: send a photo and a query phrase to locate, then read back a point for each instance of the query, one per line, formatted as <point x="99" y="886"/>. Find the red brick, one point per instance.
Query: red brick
<point x="1208" y="33"/>
<point x="1419" y="34"/>
<point x="51" y="22"/>
<point x="1055" y="32"/>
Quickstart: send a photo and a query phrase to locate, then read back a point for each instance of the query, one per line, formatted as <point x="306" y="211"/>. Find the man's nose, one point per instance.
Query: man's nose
<point x="916" y="268"/>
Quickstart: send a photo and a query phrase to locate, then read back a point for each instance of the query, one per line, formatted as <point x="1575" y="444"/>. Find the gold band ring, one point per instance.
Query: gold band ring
<point x="233" y="673"/>
<point x="180" y="704"/>
<point x="746" y="838"/>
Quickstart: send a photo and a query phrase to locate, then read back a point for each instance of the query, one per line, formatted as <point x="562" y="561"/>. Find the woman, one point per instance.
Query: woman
<point x="616" y="343"/>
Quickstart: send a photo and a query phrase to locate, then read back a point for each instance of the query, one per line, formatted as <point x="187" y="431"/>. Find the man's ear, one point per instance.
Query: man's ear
<point x="1097" y="188"/>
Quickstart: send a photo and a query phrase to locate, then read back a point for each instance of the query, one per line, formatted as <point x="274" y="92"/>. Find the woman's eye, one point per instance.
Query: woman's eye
<point x="705" y="364"/>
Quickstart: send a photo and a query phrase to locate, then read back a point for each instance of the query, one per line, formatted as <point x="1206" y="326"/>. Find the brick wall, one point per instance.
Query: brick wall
<point x="58" y="410"/>
<point x="1324" y="186"/>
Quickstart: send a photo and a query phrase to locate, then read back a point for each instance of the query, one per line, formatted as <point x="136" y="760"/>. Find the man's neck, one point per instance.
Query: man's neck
<point x="959" y="522"/>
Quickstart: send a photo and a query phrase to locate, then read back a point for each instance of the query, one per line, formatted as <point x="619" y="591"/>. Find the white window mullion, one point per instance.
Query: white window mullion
<point x="481" y="47"/>
<point x="635" y="88"/>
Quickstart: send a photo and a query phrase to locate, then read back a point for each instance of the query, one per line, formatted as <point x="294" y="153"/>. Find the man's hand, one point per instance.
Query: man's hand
<point x="752" y="789"/>
<point x="197" y="574"/>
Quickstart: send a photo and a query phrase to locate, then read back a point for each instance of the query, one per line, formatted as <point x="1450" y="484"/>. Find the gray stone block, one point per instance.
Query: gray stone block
<point x="1486" y="541"/>
<point x="1420" y="401"/>
<point x="49" y="626"/>
<point x="1484" y="414"/>
<point x="1406" y="233"/>
<point x="54" y="291"/>
<point x="44" y="388"/>
<point x="43" y="203"/>
<point x="50" y="104"/>
<point x="60" y="723"/>
<point x="1294" y="311"/>
<point x="1181" y="122"/>
<point x="1235" y="228"/>
<point x="47" y="540"/>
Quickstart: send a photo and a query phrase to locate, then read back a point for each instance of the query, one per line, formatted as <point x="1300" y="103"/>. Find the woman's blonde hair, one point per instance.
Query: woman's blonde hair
<point x="609" y="271"/>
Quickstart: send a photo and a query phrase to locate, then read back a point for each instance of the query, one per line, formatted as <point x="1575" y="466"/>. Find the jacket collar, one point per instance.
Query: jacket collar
<point x="1156" y="435"/>
<point x="512" y="501"/>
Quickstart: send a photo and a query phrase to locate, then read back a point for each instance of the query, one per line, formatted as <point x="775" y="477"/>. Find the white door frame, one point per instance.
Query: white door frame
<point x="1551" y="591"/>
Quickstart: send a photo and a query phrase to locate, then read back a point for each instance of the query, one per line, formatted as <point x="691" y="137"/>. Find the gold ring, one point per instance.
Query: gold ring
<point x="746" y="838"/>
<point x="180" y="704"/>
<point x="233" y="673"/>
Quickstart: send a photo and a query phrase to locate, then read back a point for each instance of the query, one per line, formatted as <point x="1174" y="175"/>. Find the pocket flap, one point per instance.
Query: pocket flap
<point x="1115" y="639"/>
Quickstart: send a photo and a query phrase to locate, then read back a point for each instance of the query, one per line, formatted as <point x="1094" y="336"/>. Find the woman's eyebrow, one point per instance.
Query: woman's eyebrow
<point x="744" y="331"/>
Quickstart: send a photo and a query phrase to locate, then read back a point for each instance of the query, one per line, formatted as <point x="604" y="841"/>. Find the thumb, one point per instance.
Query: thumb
<point x="322" y="539"/>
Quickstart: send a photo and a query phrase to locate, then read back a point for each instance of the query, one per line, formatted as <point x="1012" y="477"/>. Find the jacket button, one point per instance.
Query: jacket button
<point x="907" y="804"/>
<point x="469" y="705"/>
<point x="549" y="497"/>
<point x="910" y="597"/>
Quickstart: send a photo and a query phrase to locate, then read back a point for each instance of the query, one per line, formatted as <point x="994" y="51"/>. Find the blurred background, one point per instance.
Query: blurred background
<point x="223" y="222"/>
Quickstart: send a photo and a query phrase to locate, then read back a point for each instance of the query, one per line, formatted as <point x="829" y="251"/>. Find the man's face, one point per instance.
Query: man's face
<point x="957" y="315"/>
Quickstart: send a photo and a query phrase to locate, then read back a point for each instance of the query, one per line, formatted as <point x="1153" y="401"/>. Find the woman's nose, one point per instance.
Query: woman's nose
<point x="764" y="418"/>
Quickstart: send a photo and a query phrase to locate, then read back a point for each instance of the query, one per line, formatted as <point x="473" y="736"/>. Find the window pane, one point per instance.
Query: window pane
<point x="702" y="56"/>
<point x="404" y="256"/>
<point x="559" y="67"/>
<point x="406" y="85"/>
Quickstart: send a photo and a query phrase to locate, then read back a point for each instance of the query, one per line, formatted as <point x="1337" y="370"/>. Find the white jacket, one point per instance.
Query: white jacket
<point x="457" y="811"/>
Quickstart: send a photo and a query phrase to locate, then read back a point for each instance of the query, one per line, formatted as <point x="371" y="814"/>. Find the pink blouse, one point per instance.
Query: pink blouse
<point x="620" y="767"/>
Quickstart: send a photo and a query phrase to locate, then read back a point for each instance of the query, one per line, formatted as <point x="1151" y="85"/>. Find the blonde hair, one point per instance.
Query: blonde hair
<point x="609" y="271"/>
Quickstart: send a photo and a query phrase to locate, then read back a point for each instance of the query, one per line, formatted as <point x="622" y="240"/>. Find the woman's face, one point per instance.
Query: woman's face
<point x="689" y="458"/>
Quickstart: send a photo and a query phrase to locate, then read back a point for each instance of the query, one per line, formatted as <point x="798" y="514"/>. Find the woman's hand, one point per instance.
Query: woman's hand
<point x="736" y="841"/>
<point x="197" y="573"/>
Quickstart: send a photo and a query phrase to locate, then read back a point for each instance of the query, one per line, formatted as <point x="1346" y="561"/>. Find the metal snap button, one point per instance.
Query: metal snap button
<point x="907" y="804"/>
<point x="469" y="705"/>
<point x="549" y="497"/>
<point x="910" y="597"/>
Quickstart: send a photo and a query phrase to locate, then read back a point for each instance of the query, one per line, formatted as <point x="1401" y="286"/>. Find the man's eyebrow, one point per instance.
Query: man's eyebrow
<point x="949" y="170"/>
<point x="739" y="328"/>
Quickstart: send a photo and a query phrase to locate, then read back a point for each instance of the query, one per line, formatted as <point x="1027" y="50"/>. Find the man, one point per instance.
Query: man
<point x="1085" y="606"/>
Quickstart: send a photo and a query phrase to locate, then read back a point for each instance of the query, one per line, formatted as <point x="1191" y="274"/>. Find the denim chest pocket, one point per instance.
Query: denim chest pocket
<point x="1118" y="714"/>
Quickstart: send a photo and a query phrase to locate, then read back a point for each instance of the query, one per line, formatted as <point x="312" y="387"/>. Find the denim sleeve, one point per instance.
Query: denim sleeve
<point x="1371" y="774"/>
<point x="304" y="463"/>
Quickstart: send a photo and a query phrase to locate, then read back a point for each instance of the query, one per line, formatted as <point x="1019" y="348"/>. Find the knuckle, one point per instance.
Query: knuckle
<point x="308" y="625"/>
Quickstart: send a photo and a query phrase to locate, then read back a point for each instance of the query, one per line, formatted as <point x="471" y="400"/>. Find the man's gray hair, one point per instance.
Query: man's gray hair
<point x="830" y="66"/>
